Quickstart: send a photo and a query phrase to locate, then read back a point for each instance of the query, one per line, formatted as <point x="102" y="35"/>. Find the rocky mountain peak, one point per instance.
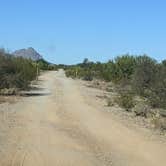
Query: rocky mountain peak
<point x="29" y="53"/>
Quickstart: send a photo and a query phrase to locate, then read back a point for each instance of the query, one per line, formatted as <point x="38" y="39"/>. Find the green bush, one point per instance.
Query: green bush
<point x="144" y="74"/>
<point x="125" y="66"/>
<point x="110" y="102"/>
<point x="141" y="109"/>
<point x="125" y="100"/>
<point x="149" y="80"/>
<point x="157" y="96"/>
<point x="73" y="72"/>
<point x="16" y="72"/>
<point x="164" y="63"/>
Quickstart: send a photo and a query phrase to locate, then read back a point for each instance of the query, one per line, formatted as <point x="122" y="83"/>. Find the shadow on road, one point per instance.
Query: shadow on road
<point x="34" y="94"/>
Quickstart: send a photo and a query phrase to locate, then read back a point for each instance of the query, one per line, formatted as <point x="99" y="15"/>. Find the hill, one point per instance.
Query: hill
<point x="29" y="53"/>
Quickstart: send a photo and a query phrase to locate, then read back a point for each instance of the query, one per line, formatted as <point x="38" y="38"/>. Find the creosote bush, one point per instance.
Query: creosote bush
<point x="126" y="101"/>
<point x="16" y="72"/>
<point x="143" y="75"/>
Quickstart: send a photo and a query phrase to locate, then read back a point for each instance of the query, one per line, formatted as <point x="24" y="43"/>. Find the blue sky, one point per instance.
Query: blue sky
<point x="67" y="31"/>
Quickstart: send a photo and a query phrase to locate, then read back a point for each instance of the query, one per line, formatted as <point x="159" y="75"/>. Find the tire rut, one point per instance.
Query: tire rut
<point x="25" y="153"/>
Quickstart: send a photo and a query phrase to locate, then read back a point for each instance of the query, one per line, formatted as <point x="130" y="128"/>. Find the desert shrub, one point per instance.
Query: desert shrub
<point x="164" y="63"/>
<point x="157" y="96"/>
<point x="108" y="71"/>
<point x="70" y="73"/>
<point x="84" y="70"/>
<point x="11" y="91"/>
<point x="149" y="80"/>
<point x="42" y="64"/>
<point x="110" y="102"/>
<point x="144" y="74"/>
<point x="159" y="122"/>
<point x="120" y="69"/>
<point x="141" y="109"/>
<point x="126" y="100"/>
<point x="16" y="72"/>
<point x="88" y="75"/>
<point x="74" y="72"/>
<point x="125" y="66"/>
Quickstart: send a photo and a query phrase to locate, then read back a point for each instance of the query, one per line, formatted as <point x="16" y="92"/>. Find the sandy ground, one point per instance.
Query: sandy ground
<point x="60" y="124"/>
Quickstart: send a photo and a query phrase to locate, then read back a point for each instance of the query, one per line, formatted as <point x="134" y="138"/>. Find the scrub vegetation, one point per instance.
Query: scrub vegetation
<point x="16" y="73"/>
<point x="133" y="77"/>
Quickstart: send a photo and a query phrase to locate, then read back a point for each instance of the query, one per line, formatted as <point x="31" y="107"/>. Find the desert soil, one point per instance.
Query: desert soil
<point x="59" y="123"/>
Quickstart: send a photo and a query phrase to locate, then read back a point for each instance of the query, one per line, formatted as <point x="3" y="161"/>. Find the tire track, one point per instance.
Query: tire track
<point x="25" y="153"/>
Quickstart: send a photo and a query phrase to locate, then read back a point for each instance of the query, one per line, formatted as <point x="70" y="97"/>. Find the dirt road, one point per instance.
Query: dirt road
<point x="54" y="125"/>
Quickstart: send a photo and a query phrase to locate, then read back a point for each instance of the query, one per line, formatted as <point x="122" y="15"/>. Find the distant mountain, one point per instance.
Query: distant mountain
<point x="29" y="53"/>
